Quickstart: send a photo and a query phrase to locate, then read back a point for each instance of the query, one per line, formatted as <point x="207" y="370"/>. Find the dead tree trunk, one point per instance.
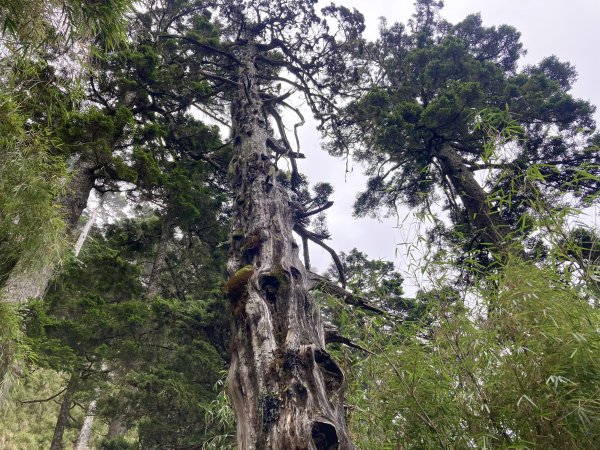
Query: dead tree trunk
<point x="63" y="414"/>
<point x="286" y="390"/>
<point x="83" y="438"/>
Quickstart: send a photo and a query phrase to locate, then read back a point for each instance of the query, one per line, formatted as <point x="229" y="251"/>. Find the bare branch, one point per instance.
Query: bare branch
<point x="43" y="400"/>
<point x="332" y="335"/>
<point x="315" y="211"/>
<point x="349" y="298"/>
<point x="303" y="232"/>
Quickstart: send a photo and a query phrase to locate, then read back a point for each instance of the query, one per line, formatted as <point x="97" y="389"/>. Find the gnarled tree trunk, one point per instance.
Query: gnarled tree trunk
<point x="473" y="197"/>
<point x="286" y="390"/>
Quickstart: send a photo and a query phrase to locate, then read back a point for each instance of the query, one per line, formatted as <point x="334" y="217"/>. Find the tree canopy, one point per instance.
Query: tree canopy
<point x="156" y="284"/>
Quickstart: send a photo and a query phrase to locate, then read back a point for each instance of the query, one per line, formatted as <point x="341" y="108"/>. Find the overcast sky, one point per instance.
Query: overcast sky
<point x="565" y="28"/>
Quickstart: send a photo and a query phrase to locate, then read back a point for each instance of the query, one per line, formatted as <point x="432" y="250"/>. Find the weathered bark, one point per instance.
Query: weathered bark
<point x="22" y="284"/>
<point x="286" y="390"/>
<point x="473" y="197"/>
<point x="83" y="438"/>
<point x="63" y="414"/>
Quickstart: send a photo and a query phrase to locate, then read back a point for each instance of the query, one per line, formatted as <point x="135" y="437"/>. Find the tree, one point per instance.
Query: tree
<point x="470" y="380"/>
<point x="440" y="112"/>
<point x="285" y="387"/>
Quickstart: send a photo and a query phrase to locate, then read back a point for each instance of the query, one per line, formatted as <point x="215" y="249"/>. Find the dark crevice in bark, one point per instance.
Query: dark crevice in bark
<point x="324" y="436"/>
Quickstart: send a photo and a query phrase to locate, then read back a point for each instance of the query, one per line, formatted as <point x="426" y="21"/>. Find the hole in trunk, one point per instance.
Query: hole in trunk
<point x="270" y="285"/>
<point x="324" y="436"/>
<point x="270" y="410"/>
<point x="332" y="374"/>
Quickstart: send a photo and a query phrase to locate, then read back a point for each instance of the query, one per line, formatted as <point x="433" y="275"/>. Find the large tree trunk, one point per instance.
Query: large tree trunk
<point x="63" y="414"/>
<point x="286" y="390"/>
<point x="473" y="197"/>
<point x="23" y="284"/>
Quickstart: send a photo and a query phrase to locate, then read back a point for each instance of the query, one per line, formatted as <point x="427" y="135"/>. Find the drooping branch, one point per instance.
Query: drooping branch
<point x="332" y="335"/>
<point x="303" y="232"/>
<point x="322" y="283"/>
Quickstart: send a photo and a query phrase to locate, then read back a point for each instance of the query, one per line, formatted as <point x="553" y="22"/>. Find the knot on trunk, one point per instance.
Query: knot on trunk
<point x="236" y="288"/>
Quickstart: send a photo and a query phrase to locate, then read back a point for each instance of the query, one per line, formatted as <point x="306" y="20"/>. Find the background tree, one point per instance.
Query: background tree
<point x="419" y="128"/>
<point x="278" y="346"/>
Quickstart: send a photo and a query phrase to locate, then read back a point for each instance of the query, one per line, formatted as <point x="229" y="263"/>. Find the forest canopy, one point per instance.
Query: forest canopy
<point x="156" y="284"/>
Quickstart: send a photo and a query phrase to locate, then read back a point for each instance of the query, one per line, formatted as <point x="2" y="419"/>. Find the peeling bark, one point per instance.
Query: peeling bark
<point x="286" y="390"/>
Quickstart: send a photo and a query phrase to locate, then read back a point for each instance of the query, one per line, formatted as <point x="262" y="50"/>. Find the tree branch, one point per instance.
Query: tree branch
<point x="23" y="402"/>
<point x="347" y="297"/>
<point x="315" y="211"/>
<point x="332" y="335"/>
<point x="303" y="232"/>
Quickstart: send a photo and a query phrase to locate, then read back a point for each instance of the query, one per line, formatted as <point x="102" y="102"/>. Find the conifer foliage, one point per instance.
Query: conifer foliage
<point x="156" y="134"/>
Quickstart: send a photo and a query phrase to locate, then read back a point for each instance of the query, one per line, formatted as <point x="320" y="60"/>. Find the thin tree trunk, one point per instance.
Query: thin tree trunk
<point x="83" y="438"/>
<point x="86" y="429"/>
<point x="160" y="257"/>
<point x="286" y="390"/>
<point x="63" y="414"/>
<point x="116" y="428"/>
<point x="88" y="226"/>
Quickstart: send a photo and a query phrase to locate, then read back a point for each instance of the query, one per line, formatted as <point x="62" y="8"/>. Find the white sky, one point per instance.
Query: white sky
<point x="565" y="28"/>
